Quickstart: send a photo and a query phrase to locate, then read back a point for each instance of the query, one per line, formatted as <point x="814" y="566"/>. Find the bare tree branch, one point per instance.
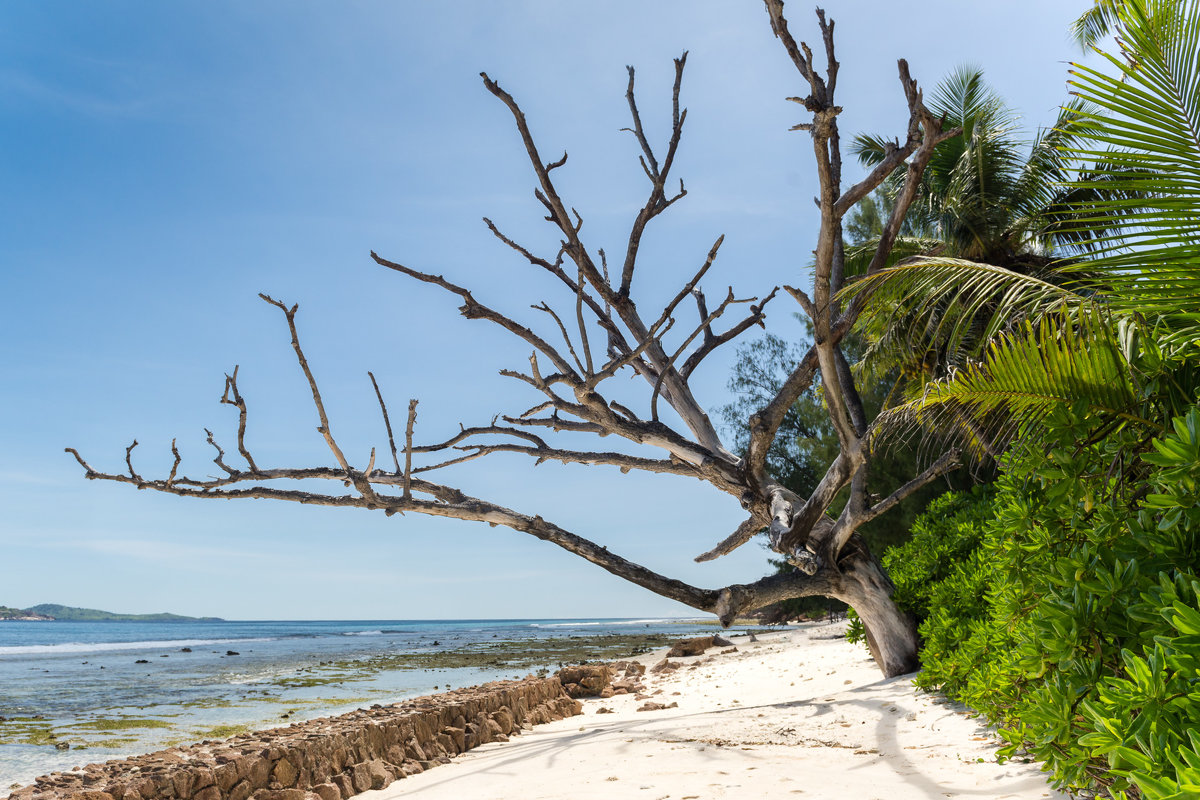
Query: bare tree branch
<point x="744" y="533"/>
<point x="387" y="423"/>
<point x="711" y="343"/>
<point x="472" y="309"/>
<point x="408" y="448"/>
<point x="657" y="202"/>
<point x="237" y="401"/>
<point x="832" y="560"/>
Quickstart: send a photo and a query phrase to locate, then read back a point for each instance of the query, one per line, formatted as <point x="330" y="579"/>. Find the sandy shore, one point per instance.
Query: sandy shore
<point x="800" y="712"/>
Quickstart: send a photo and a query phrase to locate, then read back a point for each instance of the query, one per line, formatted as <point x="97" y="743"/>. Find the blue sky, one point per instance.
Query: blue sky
<point x="163" y="163"/>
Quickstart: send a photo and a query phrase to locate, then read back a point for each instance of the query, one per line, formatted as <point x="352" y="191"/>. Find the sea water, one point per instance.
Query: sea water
<point x="110" y="689"/>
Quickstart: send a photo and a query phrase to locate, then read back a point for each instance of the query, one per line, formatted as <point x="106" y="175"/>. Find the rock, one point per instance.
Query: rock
<point x="458" y="736"/>
<point x="664" y="666"/>
<point x="232" y="653"/>
<point x="360" y="774"/>
<point x="730" y="650"/>
<point x="505" y="719"/>
<point x="380" y="775"/>
<point x="691" y="647"/>
<point x="285" y="773"/>
<point x="603" y="710"/>
<point x="344" y="784"/>
<point x="278" y="794"/>
<point x="255" y="769"/>
<point x="721" y="641"/>
<point x="652" y="706"/>
<point x="626" y="686"/>
<point x="585" y="680"/>
<point x="327" y="791"/>
<point x="62" y="746"/>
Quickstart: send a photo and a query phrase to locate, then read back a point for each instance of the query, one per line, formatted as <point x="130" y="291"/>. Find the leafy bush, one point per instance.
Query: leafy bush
<point x="1068" y="611"/>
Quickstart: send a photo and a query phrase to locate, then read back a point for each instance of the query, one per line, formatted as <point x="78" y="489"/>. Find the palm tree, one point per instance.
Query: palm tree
<point x="1114" y="331"/>
<point x="981" y="195"/>
<point x="987" y="199"/>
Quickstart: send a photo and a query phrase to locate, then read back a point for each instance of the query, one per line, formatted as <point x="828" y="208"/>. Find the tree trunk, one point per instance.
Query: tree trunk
<point x="891" y="633"/>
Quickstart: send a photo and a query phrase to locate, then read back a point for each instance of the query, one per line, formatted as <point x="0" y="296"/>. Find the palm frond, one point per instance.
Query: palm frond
<point x="926" y="303"/>
<point x="1142" y="144"/>
<point x="858" y="256"/>
<point x="1096" y="23"/>
<point x="1068" y="360"/>
<point x="870" y="149"/>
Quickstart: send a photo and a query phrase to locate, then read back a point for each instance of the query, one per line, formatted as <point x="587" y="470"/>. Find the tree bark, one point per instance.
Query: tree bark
<point x="891" y="633"/>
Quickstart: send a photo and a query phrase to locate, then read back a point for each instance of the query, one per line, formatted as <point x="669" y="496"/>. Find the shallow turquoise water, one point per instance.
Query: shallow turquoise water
<point x="190" y="677"/>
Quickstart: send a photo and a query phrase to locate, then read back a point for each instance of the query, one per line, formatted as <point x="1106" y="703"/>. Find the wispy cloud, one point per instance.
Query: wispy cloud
<point x="81" y="102"/>
<point x="27" y="479"/>
<point x="160" y="551"/>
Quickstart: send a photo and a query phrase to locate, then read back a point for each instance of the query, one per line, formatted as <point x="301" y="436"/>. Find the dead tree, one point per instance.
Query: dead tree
<point x="568" y="370"/>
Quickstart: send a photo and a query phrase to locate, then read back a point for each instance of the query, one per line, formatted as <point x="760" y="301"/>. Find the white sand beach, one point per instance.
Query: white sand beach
<point x="798" y="713"/>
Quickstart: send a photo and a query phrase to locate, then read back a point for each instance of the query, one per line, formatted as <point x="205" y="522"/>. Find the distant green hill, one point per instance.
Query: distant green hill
<point x="69" y="614"/>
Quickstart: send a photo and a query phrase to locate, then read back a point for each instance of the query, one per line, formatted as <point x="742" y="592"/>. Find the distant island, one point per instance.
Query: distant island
<point x="48" y="612"/>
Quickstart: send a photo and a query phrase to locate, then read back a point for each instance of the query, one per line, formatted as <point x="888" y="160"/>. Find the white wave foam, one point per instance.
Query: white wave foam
<point x="101" y="647"/>
<point x="583" y="624"/>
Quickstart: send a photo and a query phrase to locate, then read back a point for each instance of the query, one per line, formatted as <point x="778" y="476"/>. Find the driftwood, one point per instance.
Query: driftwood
<point x="600" y="332"/>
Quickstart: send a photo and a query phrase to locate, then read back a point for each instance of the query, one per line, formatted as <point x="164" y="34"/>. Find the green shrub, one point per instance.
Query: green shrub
<point x="1065" y="606"/>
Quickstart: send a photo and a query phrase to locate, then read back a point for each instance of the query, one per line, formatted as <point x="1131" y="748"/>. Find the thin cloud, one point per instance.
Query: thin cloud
<point x="24" y="84"/>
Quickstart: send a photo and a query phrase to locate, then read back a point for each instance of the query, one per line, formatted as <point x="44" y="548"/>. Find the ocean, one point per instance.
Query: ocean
<point x="73" y="693"/>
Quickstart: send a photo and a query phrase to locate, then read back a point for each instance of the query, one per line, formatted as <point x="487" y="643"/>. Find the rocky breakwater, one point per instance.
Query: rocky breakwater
<point x="323" y="759"/>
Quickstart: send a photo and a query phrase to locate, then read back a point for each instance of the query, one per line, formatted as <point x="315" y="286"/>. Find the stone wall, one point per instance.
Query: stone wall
<point x="323" y="759"/>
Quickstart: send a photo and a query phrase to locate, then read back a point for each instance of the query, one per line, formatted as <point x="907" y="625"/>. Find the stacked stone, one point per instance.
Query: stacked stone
<point x="332" y="758"/>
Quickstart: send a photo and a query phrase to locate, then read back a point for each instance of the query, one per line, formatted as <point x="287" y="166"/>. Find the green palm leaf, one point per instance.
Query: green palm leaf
<point x="1097" y="22"/>
<point x="1141" y="142"/>
<point x="1068" y="360"/>
<point x="945" y="309"/>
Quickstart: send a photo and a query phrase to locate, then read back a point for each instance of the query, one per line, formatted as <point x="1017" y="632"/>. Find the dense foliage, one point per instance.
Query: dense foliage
<point x="1065" y="606"/>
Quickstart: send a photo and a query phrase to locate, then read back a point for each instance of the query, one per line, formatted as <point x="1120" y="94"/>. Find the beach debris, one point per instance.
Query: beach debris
<point x="185" y="649"/>
<point x="653" y="706"/>
<point x="604" y="710"/>
<point x="142" y="661"/>
<point x="232" y="653"/>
